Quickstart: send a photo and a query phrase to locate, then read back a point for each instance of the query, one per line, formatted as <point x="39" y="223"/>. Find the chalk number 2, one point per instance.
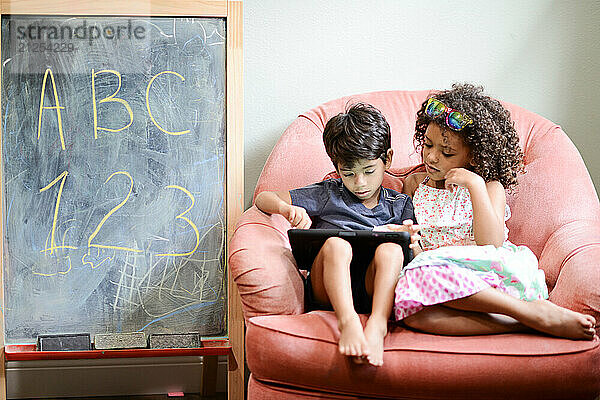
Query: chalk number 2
<point x="111" y="212"/>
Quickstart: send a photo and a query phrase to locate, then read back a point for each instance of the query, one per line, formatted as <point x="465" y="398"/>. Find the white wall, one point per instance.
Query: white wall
<point x="542" y="55"/>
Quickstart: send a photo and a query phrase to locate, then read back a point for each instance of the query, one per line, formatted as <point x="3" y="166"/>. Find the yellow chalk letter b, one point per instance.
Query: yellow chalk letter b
<point x="108" y="99"/>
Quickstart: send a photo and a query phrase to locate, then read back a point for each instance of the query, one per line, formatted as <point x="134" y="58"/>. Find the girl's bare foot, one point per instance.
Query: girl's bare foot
<point x="550" y="318"/>
<point x="375" y="332"/>
<point x="352" y="338"/>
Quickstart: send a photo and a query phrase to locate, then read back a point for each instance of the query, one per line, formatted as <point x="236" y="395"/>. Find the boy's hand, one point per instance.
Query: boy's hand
<point x="391" y="228"/>
<point x="297" y="216"/>
<point x="407" y="226"/>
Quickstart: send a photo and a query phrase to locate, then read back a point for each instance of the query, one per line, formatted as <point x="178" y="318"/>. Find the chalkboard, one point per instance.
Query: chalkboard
<point x="113" y="175"/>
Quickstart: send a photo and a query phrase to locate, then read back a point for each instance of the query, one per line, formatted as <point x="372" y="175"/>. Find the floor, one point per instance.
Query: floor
<point x="192" y="396"/>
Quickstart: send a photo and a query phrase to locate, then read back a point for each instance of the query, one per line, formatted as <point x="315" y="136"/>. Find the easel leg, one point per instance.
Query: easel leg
<point x="209" y="375"/>
<point x="235" y="184"/>
<point x="2" y="374"/>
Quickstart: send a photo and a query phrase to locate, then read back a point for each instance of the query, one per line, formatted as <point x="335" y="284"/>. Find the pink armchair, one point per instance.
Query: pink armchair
<point x="293" y="354"/>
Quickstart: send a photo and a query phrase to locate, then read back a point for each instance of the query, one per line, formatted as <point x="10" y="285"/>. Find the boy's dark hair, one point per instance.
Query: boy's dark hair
<point x="361" y="132"/>
<point x="492" y="137"/>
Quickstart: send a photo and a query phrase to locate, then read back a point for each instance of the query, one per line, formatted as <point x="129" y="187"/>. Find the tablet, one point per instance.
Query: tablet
<point x="306" y="243"/>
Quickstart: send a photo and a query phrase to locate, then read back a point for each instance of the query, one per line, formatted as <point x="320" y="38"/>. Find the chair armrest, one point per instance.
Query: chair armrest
<point x="261" y="264"/>
<point x="576" y="248"/>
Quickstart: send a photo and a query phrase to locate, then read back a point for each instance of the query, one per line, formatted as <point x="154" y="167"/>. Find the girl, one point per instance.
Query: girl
<point x="466" y="277"/>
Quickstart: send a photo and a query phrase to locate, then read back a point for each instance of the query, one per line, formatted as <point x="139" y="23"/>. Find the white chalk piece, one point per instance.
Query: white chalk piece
<point x="112" y="341"/>
<point x="175" y="340"/>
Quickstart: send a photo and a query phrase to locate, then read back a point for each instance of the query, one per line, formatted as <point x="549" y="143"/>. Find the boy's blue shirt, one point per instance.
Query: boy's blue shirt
<point x="333" y="206"/>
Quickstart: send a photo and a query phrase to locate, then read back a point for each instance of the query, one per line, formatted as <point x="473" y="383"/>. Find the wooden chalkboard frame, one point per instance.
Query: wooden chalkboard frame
<point x="231" y="11"/>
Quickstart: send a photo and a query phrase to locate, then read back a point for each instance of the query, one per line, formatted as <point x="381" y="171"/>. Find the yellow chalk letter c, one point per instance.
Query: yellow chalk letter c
<point x="148" y="103"/>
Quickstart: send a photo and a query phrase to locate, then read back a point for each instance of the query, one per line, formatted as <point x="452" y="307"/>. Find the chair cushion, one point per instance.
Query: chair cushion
<point x="421" y="365"/>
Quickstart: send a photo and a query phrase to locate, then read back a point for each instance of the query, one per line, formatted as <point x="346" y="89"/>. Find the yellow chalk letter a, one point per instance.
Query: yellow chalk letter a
<point x="56" y="107"/>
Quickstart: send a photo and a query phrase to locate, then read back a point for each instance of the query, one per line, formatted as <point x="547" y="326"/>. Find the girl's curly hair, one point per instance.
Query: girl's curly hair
<point x="492" y="137"/>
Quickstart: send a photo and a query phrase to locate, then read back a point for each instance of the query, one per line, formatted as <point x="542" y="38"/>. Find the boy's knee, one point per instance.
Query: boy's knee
<point x="390" y="254"/>
<point x="337" y="247"/>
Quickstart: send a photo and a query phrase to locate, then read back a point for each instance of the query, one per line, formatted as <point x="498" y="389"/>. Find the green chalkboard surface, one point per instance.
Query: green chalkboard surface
<point x="113" y="171"/>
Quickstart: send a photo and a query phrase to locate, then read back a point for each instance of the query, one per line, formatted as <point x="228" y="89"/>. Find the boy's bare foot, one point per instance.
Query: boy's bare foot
<point x="375" y="332"/>
<point x="550" y="318"/>
<point x="352" y="338"/>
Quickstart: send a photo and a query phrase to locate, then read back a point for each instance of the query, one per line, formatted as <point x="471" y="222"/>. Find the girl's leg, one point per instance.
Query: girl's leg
<point x="330" y="279"/>
<point x="442" y="320"/>
<point x="541" y="315"/>
<point x="380" y="282"/>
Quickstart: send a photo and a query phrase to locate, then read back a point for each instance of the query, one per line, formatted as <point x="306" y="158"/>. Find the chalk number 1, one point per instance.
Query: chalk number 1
<point x="62" y="177"/>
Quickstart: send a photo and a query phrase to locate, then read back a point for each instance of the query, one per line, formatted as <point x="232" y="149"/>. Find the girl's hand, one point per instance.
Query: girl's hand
<point x="462" y="177"/>
<point x="297" y="216"/>
<point x="415" y="238"/>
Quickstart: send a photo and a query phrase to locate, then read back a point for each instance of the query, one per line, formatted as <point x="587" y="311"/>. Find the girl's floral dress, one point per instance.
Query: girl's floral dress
<point x="451" y="267"/>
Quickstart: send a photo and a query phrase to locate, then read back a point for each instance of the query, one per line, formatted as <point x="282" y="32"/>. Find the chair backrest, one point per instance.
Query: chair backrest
<point x="555" y="191"/>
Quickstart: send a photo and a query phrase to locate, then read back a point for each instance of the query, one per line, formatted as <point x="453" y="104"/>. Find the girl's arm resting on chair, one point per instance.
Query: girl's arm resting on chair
<point x="281" y="203"/>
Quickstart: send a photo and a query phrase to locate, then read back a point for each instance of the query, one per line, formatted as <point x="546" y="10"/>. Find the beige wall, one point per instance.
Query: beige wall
<point x="540" y="54"/>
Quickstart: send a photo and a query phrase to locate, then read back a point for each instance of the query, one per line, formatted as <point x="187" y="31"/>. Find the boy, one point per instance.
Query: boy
<point x="359" y="145"/>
